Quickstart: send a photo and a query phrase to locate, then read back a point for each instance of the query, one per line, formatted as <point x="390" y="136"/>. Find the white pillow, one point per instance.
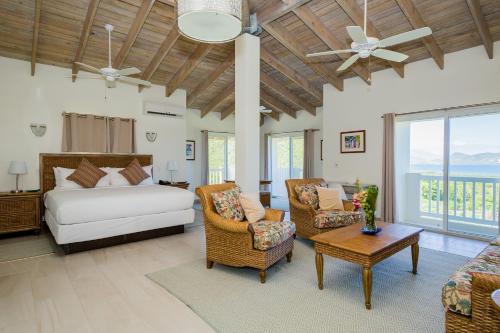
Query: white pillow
<point x="254" y="211"/>
<point x="340" y="188"/>
<point x="117" y="178"/>
<point x="62" y="183"/>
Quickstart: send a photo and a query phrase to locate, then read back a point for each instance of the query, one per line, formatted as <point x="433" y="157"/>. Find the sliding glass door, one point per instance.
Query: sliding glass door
<point x="448" y="171"/>
<point x="286" y="160"/>
<point x="221" y="157"/>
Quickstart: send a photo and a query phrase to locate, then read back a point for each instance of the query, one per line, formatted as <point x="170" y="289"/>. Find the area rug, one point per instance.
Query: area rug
<point x="27" y="246"/>
<point x="233" y="300"/>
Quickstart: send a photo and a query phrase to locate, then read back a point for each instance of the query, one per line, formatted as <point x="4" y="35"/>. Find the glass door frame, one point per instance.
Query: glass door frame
<point x="446" y="116"/>
<point x="226" y="161"/>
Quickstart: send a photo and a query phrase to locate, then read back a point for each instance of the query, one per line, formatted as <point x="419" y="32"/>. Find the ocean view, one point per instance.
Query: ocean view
<point x="489" y="170"/>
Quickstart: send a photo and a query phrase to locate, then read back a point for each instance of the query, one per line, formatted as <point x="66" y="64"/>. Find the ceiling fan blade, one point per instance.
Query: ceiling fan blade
<point x="88" y="67"/>
<point x="405" y="37"/>
<point x="319" y="54"/>
<point x="389" y="55"/>
<point x="357" y="34"/>
<point x="135" y="81"/>
<point x="348" y="63"/>
<point x="129" y="71"/>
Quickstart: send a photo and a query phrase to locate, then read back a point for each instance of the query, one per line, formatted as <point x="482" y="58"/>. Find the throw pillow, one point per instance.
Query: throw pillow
<point x="134" y="173"/>
<point x="87" y="174"/>
<point x="308" y="195"/>
<point x="228" y="205"/>
<point x="254" y="211"/>
<point x="329" y="199"/>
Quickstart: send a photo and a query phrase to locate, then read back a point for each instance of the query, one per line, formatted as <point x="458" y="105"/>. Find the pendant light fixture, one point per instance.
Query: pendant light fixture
<point x="209" y="21"/>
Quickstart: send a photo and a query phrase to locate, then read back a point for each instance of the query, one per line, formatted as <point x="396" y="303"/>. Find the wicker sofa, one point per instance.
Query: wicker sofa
<point x="305" y="216"/>
<point x="232" y="242"/>
<point x="467" y="294"/>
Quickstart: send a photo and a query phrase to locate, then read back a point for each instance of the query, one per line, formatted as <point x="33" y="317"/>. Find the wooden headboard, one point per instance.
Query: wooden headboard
<point x="71" y="161"/>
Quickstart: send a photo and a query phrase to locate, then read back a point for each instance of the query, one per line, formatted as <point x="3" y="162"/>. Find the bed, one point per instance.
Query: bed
<point x="83" y="219"/>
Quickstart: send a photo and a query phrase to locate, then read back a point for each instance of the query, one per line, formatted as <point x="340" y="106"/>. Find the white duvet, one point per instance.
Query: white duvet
<point x="75" y="206"/>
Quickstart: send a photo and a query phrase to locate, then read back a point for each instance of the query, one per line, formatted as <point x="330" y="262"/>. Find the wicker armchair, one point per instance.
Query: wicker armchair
<point x="231" y="242"/>
<point x="485" y="317"/>
<point x="303" y="215"/>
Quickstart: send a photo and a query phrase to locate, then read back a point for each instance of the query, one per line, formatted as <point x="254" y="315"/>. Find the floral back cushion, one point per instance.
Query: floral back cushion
<point x="308" y="195"/>
<point x="228" y="205"/>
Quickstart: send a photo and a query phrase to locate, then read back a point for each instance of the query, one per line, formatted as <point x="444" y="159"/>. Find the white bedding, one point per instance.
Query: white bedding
<point x="74" y="206"/>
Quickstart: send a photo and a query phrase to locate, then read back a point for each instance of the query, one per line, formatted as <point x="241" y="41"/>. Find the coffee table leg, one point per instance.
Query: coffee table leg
<point x="319" y="270"/>
<point x="367" y="286"/>
<point x="414" y="256"/>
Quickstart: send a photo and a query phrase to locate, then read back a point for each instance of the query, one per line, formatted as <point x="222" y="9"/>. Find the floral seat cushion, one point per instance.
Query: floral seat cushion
<point x="228" y="205"/>
<point x="268" y="234"/>
<point x="336" y="218"/>
<point x="456" y="295"/>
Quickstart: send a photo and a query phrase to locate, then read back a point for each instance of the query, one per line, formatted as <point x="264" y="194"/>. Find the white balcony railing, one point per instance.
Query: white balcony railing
<point x="473" y="202"/>
<point x="216" y="176"/>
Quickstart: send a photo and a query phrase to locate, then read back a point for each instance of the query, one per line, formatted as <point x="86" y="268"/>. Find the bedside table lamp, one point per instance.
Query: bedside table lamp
<point x="17" y="168"/>
<point x="172" y="167"/>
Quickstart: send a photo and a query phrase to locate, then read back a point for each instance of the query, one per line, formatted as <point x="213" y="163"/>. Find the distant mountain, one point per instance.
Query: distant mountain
<point x="475" y="159"/>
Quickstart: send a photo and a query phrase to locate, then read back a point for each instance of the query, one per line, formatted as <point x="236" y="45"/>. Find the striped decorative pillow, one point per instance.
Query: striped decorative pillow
<point x="134" y="173"/>
<point x="87" y="174"/>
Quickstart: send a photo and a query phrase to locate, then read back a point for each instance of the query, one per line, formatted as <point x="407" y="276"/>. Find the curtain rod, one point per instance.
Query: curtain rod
<point x="448" y="108"/>
<point x="80" y="115"/>
<point x="216" y="132"/>
<point x="290" y="132"/>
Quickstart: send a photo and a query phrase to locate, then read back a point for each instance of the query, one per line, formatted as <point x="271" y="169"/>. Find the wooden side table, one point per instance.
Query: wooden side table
<point x="184" y="186"/>
<point x="19" y="212"/>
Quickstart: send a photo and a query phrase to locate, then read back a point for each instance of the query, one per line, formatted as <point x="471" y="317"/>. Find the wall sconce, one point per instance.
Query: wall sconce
<point x="151" y="136"/>
<point x="38" y="129"/>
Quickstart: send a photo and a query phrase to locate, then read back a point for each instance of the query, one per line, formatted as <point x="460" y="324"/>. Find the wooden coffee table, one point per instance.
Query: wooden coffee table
<point x="350" y="244"/>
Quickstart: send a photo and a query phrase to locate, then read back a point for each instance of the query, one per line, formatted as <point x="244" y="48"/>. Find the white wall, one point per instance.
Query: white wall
<point x="303" y="121"/>
<point x="469" y="77"/>
<point x="42" y="98"/>
<point x="194" y="125"/>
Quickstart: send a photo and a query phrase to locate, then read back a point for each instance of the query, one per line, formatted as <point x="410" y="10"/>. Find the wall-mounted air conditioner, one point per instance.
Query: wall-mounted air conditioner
<point x="163" y="110"/>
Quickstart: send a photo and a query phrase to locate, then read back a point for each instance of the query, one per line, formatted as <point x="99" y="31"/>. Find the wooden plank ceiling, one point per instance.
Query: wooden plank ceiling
<point x="59" y="32"/>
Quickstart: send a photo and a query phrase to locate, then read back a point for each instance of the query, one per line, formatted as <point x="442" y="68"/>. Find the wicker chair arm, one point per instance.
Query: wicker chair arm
<point x="486" y="282"/>
<point x="484" y="315"/>
<point x="274" y="215"/>
<point x="227" y="225"/>
<point x="348" y="205"/>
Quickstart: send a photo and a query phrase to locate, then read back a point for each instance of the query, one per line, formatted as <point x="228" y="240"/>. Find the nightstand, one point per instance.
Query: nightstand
<point x="183" y="185"/>
<point x="19" y="212"/>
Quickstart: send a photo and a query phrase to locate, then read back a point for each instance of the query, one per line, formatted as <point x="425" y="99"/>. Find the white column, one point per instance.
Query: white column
<point x="247" y="116"/>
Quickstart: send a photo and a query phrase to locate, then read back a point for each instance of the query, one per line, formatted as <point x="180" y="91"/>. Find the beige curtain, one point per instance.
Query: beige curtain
<point x="121" y="135"/>
<point x="388" y="176"/>
<point x="308" y="153"/>
<point x="266" y="156"/>
<point x="204" y="157"/>
<point x="97" y="134"/>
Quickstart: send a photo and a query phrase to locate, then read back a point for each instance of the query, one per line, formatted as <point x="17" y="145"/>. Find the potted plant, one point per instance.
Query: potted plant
<point x="367" y="200"/>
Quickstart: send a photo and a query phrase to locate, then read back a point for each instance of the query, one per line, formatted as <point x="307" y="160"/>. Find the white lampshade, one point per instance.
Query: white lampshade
<point x="209" y="21"/>
<point x="18" y="168"/>
<point x="172" y="166"/>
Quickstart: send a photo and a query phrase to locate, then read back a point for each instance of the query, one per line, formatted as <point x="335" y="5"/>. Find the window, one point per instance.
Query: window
<point x="221" y="157"/>
<point x="286" y="160"/>
<point x="448" y="171"/>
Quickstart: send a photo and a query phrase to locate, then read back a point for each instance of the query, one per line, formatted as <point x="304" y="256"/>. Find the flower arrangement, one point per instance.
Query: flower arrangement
<point x="366" y="199"/>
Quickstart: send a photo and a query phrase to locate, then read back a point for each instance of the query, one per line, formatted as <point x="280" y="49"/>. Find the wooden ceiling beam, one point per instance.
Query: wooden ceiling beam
<point x="356" y="14"/>
<point x="168" y="2"/>
<point x="481" y="25"/>
<point x="274" y="9"/>
<point x="287" y="94"/>
<point x="84" y="36"/>
<point x="273" y="114"/>
<point x="136" y="27"/>
<point x="275" y="104"/>
<point x="229" y="62"/>
<point x="162" y="52"/>
<point x="293" y="45"/>
<point x="416" y="21"/>
<point x="227" y="112"/>
<point x="314" y="23"/>
<point x="221" y="97"/>
<point x="290" y="73"/>
<point x="189" y="66"/>
<point x="36" y="30"/>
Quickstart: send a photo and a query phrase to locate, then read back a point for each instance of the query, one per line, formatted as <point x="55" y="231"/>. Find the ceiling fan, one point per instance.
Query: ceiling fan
<point x="364" y="46"/>
<point x="112" y="75"/>
<point x="265" y="111"/>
